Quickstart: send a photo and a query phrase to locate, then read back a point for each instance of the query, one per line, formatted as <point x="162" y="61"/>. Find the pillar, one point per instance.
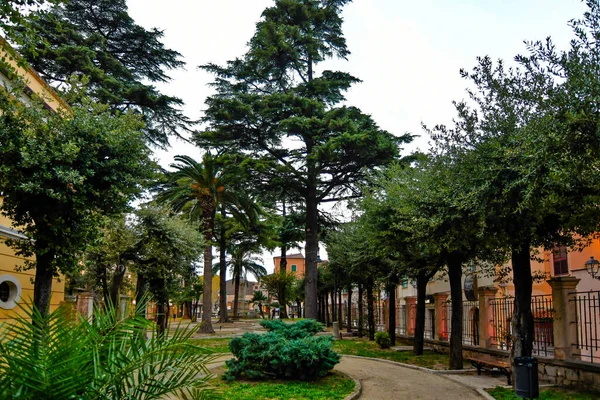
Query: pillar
<point x="85" y="304"/>
<point x="441" y="325"/>
<point x="486" y="330"/>
<point x="411" y="314"/>
<point x="564" y="326"/>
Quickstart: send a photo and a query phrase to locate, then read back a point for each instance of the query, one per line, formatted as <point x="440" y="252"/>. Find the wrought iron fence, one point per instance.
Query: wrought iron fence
<point x="470" y="331"/>
<point x="501" y="330"/>
<point x="587" y="320"/>
<point x="429" y="323"/>
<point x="401" y="319"/>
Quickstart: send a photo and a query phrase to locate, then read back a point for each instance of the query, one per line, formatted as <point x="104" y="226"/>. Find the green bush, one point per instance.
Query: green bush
<point x="383" y="340"/>
<point x="286" y="352"/>
<point x="298" y="330"/>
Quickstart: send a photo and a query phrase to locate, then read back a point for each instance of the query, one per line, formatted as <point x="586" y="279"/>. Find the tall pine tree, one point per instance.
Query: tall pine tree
<point x="273" y="104"/>
<point x="99" y="39"/>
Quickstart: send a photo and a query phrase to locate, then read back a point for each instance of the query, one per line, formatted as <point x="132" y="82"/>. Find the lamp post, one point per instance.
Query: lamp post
<point x="592" y="266"/>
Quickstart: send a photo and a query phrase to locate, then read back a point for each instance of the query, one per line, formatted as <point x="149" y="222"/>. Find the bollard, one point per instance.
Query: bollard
<point x="336" y="330"/>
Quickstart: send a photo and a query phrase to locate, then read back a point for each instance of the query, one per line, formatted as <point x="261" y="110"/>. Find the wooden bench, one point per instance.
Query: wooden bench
<point x="484" y="362"/>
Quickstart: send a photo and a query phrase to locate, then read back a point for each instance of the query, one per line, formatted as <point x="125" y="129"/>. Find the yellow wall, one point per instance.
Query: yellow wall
<point x="8" y="263"/>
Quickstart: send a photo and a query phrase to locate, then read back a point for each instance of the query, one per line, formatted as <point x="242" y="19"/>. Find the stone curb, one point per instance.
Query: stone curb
<point x="431" y="371"/>
<point x="484" y="394"/>
<point x="357" y="389"/>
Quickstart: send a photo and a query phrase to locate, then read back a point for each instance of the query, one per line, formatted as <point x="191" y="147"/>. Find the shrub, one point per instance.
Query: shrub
<point x="383" y="340"/>
<point x="287" y="351"/>
<point x="298" y="330"/>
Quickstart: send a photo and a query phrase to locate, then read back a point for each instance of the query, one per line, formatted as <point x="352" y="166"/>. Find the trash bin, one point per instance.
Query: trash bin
<point x="526" y="377"/>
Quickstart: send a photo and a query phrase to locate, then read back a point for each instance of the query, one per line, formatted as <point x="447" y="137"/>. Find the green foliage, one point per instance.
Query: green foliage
<point x="61" y="173"/>
<point x="105" y="358"/>
<point x="383" y="340"/>
<point x="334" y="386"/>
<point x="273" y="96"/>
<point x="279" y="285"/>
<point x="271" y="355"/>
<point x="100" y="40"/>
<point x="301" y="329"/>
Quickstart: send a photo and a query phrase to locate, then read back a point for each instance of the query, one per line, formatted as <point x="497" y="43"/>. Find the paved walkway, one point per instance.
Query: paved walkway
<point x="381" y="380"/>
<point x="385" y="381"/>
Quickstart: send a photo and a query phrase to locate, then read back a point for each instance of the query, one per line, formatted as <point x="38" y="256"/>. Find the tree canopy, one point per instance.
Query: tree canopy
<point x="121" y="59"/>
<point x="271" y="104"/>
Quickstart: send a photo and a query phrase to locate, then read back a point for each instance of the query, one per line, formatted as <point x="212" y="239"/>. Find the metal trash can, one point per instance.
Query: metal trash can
<point x="526" y="377"/>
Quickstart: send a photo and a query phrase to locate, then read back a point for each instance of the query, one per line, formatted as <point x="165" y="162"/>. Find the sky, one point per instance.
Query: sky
<point x="408" y="54"/>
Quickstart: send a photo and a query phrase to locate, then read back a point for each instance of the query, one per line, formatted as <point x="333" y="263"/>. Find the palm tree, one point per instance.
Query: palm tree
<point x="241" y="263"/>
<point x="199" y="189"/>
<point x="259" y="298"/>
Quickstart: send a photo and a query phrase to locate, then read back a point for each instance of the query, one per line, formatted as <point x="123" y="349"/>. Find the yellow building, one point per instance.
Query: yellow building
<point x="16" y="286"/>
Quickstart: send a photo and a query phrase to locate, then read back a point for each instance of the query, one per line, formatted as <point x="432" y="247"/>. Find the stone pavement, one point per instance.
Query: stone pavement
<point x="387" y="380"/>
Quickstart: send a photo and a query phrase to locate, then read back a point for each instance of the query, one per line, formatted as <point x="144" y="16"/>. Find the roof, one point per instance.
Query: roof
<point x="292" y="256"/>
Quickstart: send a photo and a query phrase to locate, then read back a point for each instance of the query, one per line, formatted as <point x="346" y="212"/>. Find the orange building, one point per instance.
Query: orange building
<point x="16" y="285"/>
<point x="295" y="264"/>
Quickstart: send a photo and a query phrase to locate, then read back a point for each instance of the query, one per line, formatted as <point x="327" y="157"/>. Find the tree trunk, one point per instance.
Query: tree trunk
<point x="206" y="325"/>
<point x="42" y="289"/>
<point x="370" y="310"/>
<point x="455" y="277"/>
<point x="326" y="311"/>
<point x="157" y="287"/>
<point x="312" y="246"/>
<point x="340" y="312"/>
<point x="299" y="306"/>
<point x="333" y="309"/>
<point x="361" y="317"/>
<point x="522" y="320"/>
<point x="162" y="318"/>
<point x="281" y="296"/>
<point x="236" y="292"/>
<point x="223" y="317"/>
<point x="349" y="309"/>
<point x="103" y="276"/>
<point x="283" y="261"/>
<point x="419" y="340"/>
<point x="392" y="312"/>
<point x="312" y="225"/>
<point x="115" y="287"/>
<point x="141" y="287"/>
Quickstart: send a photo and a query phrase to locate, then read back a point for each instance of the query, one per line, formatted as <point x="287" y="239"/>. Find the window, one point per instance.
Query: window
<point x="4" y="291"/>
<point x="293" y="267"/>
<point x="405" y="283"/>
<point x="10" y="292"/>
<point x="559" y="255"/>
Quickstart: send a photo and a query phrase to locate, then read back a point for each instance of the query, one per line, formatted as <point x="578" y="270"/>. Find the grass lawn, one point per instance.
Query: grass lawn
<point x="333" y="386"/>
<point x="219" y="345"/>
<point x="501" y="393"/>
<point x="365" y="348"/>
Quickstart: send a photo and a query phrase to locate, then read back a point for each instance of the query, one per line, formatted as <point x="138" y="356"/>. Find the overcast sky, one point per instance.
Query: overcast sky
<point x="407" y="53"/>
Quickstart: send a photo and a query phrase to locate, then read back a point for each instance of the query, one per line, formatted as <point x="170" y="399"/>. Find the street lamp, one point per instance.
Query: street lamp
<point x="593" y="267"/>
